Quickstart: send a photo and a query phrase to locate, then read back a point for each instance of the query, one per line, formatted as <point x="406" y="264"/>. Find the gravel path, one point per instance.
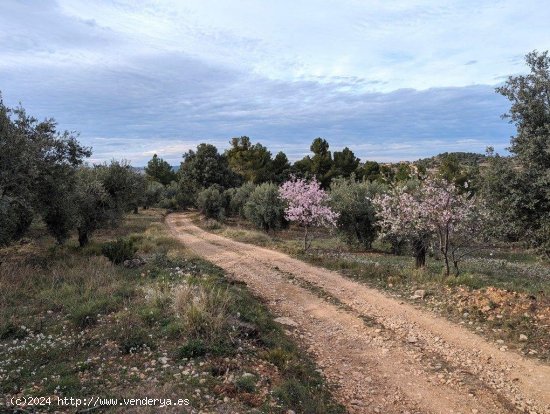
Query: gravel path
<point x="384" y="355"/>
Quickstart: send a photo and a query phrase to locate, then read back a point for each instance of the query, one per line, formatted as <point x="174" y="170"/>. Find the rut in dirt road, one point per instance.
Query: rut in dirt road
<point x="384" y="356"/>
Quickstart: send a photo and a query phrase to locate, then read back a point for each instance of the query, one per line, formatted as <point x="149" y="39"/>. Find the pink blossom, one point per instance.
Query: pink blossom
<point x="307" y="204"/>
<point x="436" y="208"/>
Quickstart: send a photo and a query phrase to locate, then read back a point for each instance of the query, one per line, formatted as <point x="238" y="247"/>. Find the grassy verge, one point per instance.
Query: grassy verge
<point x="501" y="294"/>
<point x="72" y="324"/>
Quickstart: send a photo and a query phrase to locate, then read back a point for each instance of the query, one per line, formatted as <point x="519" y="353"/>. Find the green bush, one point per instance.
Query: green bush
<point x="210" y="202"/>
<point x="153" y="194"/>
<point x="238" y="198"/>
<point x="119" y="250"/>
<point x="246" y="383"/>
<point x="10" y="330"/>
<point x="15" y="219"/>
<point x="134" y="340"/>
<point x="357" y="216"/>
<point x="264" y="208"/>
<point x="193" y="348"/>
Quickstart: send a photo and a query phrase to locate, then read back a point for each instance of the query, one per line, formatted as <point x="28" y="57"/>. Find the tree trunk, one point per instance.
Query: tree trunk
<point x="82" y="238"/>
<point x="447" y="267"/>
<point x="420" y="259"/>
<point x="135" y="209"/>
<point x="455" y="264"/>
<point x="305" y="239"/>
<point x="420" y="250"/>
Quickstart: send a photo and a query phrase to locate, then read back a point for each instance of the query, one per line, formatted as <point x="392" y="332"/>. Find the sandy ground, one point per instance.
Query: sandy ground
<point x="383" y="355"/>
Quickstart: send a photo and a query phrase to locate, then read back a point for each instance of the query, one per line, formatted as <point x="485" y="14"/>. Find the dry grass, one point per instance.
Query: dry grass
<point x="203" y="311"/>
<point x="74" y="324"/>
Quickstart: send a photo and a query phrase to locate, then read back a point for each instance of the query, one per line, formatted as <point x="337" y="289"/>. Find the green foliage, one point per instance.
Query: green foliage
<point x="321" y="162"/>
<point x="94" y="207"/>
<point x="246" y="383"/>
<point x="15" y="219"/>
<point x="370" y="171"/>
<point x="387" y="173"/>
<point x="60" y="213"/>
<point x="160" y="171"/>
<point x="9" y="330"/>
<point x="193" y="348"/>
<point x="465" y="159"/>
<point x="120" y="250"/>
<point x="211" y="201"/>
<point x="530" y="113"/>
<point x="461" y="175"/>
<point x="403" y="172"/>
<point x="124" y="185"/>
<point x="505" y="191"/>
<point x="131" y="335"/>
<point x="37" y="167"/>
<point x="280" y="168"/>
<point x="252" y="162"/>
<point x="351" y="199"/>
<point x="320" y="165"/>
<point x="84" y="313"/>
<point x="264" y="208"/>
<point x="206" y="167"/>
<point x="153" y="194"/>
<point x="177" y="195"/>
<point x="345" y="163"/>
<point x="239" y="197"/>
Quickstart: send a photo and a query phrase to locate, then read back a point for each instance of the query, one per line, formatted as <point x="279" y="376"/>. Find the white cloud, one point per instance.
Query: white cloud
<point x="405" y="43"/>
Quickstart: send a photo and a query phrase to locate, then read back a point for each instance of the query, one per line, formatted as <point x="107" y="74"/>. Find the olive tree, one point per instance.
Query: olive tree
<point x="357" y="215"/>
<point x="37" y="168"/>
<point x="210" y="202"/>
<point x="239" y="197"/>
<point x="264" y="208"/>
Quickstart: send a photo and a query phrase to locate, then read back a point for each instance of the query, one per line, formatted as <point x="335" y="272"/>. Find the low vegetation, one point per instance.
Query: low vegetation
<point x="74" y="323"/>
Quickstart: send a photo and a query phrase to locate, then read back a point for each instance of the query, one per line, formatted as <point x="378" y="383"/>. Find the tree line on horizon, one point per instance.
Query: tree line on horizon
<point x="43" y="173"/>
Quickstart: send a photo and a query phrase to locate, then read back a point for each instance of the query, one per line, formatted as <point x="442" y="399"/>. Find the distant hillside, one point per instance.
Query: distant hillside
<point x="463" y="158"/>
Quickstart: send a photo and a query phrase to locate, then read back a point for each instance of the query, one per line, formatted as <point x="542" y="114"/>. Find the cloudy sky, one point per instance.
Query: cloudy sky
<point x="392" y="79"/>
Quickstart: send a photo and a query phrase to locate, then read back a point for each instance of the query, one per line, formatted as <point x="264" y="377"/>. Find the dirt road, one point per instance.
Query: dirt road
<point x="384" y="355"/>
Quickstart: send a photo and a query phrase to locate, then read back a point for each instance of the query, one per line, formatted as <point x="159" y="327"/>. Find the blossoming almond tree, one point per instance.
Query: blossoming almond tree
<point x="449" y="214"/>
<point x="437" y="208"/>
<point x="307" y="205"/>
<point x="401" y="215"/>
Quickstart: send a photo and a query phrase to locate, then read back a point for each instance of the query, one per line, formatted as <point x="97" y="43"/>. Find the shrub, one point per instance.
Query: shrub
<point x="193" y="348"/>
<point x="239" y="197"/>
<point x="210" y="202"/>
<point x="292" y="393"/>
<point x="10" y="330"/>
<point x="278" y="357"/>
<point x="246" y="383"/>
<point x="153" y="194"/>
<point x="264" y="208"/>
<point x="15" y="219"/>
<point x="120" y="250"/>
<point x="357" y="216"/>
<point x="212" y="225"/>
